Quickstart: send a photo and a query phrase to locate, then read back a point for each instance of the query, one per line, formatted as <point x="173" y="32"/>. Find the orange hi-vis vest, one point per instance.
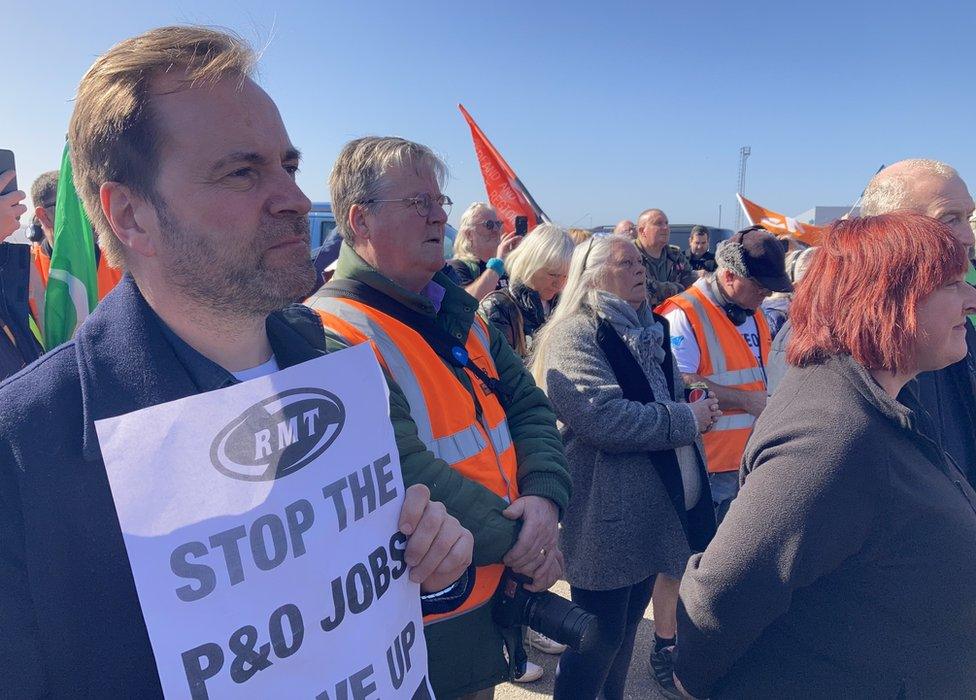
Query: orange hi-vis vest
<point x="480" y="448"/>
<point x="107" y="277"/>
<point x="727" y="360"/>
<point x="39" y="272"/>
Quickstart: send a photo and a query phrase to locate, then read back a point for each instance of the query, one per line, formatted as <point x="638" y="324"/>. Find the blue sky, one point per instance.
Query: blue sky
<point x="602" y="108"/>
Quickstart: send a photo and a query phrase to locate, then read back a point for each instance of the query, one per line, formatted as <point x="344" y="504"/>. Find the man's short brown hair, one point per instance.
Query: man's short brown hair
<point x="113" y="134"/>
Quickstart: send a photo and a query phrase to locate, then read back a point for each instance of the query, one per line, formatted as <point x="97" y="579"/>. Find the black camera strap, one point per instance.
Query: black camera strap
<point x="449" y="348"/>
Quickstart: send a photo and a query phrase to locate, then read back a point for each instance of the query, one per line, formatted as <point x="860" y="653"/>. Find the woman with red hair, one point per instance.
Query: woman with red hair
<point x="846" y="567"/>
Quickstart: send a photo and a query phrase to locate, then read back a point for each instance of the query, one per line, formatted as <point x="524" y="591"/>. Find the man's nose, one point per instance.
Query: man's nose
<point x="288" y="197"/>
<point x="438" y="215"/>
<point x="970" y="300"/>
<point x="964" y="232"/>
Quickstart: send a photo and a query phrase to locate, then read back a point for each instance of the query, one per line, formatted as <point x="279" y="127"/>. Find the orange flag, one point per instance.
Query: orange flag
<point x="506" y="192"/>
<point x="779" y="224"/>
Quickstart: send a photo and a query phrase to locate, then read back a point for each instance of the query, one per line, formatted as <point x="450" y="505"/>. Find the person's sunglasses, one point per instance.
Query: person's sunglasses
<point x="492" y="224"/>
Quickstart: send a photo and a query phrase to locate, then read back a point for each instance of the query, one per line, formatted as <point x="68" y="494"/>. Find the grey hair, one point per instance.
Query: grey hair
<point x="586" y="277"/>
<point x="546" y="245"/>
<point x="359" y="171"/>
<point x="891" y="189"/>
<point x="463" y="247"/>
<point x="797" y="264"/>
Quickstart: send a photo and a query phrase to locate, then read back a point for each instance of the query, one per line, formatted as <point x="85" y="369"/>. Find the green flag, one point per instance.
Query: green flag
<point x="72" y="288"/>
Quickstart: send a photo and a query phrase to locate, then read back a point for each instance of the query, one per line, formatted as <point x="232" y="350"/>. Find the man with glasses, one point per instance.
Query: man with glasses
<point x="493" y="453"/>
<point x="480" y="251"/>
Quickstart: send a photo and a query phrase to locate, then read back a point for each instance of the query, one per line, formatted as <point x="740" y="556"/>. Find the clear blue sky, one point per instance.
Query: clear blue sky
<point x="602" y="108"/>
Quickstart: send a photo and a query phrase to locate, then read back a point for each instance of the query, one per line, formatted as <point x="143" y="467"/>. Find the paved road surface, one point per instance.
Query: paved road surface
<point x="639" y="683"/>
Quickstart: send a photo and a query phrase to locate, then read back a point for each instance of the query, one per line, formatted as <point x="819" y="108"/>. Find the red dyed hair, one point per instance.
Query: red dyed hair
<point x="861" y="293"/>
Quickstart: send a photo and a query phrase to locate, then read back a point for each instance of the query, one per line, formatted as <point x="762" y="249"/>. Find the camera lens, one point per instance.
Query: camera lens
<point x="559" y="619"/>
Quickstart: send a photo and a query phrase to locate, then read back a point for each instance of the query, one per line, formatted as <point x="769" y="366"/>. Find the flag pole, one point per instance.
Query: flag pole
<point x="861" y="196"/>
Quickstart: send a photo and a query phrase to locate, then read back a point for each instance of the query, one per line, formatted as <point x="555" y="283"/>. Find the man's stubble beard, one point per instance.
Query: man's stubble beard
<point x="237" y="282"/>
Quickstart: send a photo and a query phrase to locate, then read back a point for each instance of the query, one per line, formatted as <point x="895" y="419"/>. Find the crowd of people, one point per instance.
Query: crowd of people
<point x="775" y="444"/>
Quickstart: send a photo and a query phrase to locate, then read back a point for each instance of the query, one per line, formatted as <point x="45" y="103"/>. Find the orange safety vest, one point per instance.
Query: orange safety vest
<point x="727" y="360"/>
<point x="39" y="272"/>
<point x="108" y="277"/>
<point x="481" y="449"/>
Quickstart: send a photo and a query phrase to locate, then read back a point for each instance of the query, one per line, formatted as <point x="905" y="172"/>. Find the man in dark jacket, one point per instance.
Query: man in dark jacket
<point x="206" y="218"/>
<point x="949" y="395"/>
<point x="18" y="346"/>
<point x="702" y="260"/>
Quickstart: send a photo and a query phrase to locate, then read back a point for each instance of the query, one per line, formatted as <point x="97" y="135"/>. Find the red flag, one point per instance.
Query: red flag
<point x="506" y="192"/>
<point x="779" y="224"/>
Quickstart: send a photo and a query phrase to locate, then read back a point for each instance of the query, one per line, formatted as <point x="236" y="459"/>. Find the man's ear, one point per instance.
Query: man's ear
<point x="132" y="217"/>
<point x="358" y="222"/>
<point x="44" y="218"/>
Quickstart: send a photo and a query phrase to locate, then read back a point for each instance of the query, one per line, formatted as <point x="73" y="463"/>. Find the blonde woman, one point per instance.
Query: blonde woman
<point x="480" y="251"/>
<point x="537" y="272"/>
<point x="640" y="501"/>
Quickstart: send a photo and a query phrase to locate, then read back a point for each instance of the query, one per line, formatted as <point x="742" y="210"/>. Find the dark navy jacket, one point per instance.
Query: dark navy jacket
<point x="70" y="620"/>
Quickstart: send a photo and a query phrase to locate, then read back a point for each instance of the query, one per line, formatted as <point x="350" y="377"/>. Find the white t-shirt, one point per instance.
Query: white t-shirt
<point x="263" y="369"/>
<point x="684" y="345"/>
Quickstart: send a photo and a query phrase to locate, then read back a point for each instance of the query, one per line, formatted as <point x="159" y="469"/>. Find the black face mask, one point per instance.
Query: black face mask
<point x="735" y="313"/>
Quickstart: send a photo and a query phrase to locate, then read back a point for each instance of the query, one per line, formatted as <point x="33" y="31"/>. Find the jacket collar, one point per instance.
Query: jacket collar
<point x="666" y="252"/>
<point x="126" y="363"/>
<point x="457" y="305"/>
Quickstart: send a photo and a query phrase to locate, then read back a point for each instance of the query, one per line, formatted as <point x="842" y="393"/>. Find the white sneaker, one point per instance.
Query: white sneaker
<point x="539" y="641"/>
<point x="533" y="672"/>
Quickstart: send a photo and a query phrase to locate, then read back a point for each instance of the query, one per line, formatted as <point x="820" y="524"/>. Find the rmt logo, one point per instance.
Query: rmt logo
<point x="279" y="435"/>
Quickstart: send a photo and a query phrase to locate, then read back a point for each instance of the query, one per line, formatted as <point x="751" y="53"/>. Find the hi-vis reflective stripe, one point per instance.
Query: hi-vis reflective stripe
<point x="501" y="439"/>
<point x="715" y="351"/>
<point x="735" y="421"/>
<point x="395" y="361"/>
<point x="459" y="446"/>
<point x="740" y="376"/>
<point x="453" y="449"/>
<point x="482" y="334"/>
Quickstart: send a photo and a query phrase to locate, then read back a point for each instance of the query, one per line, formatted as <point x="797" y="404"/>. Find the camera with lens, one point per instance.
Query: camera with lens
<point x="545" y="612"/>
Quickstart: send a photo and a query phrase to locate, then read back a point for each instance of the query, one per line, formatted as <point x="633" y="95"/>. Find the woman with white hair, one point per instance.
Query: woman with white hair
<point x="537" y="272"/>
<point x="640" y="501"/>
<point x="480" y="251"/>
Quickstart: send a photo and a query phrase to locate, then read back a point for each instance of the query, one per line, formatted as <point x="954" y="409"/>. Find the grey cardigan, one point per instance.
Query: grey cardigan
<point x="846" y="566"/>
<point x="620" y="527"/>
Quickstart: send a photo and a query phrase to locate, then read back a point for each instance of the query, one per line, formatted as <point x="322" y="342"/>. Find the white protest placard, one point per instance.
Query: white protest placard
<point x="260" y="522"/>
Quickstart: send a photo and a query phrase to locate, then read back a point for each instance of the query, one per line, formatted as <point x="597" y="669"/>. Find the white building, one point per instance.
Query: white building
<point x="821" y="216"/>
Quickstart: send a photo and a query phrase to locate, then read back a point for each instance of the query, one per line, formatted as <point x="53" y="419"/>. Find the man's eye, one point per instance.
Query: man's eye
<point x="242" y="172"/>
<point x="292" y="169"/>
